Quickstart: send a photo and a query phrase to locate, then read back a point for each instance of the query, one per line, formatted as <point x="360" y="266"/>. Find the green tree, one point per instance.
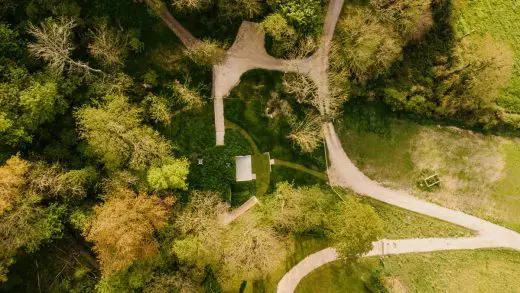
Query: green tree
<point x="298" y="210"/>
<point x="206" y="53"/>
<point x="240" y="8"/>
<point x="305" y="15"/>
<point x="172" y="174"/>
<point x="40" y="103"/>
<point x="157" y="108"/>
<point x="189" y="98"/>
<point x="365" y="46"/>
<point x="412" y="18"/>
<point x="353" y="226"/>
<point x="114" y="132"/>
<point x="190" y="5"/>
<point x="111" y="47"/>
<point x="284" y="36"/>
<point x="243" y="250"/>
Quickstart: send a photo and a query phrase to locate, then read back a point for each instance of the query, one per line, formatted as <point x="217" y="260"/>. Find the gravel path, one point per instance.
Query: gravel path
<point x="344" y="173"/>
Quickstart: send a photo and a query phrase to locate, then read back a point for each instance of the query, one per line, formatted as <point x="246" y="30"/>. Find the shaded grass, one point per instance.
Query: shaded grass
<point x="319" y="175"/>
<point x="379" y="145"/>
<point x="262" y="169"/>
<point x="244" y="133"/>
<point x="298" y="178"/>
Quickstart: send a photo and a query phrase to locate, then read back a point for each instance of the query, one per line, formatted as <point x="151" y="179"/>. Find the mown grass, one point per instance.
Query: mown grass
<point x="500" y="19"/>
<point x="478" y="173"/>
<point x="379" y="145"/>
<point x="450" y="271"/>
<point x="262" y="170"/>
<point x="507" y="189"/>
<point x="399" y="223"/>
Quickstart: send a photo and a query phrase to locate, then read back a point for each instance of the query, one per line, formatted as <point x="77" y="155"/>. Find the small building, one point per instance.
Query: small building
<point x="244" y="168"/>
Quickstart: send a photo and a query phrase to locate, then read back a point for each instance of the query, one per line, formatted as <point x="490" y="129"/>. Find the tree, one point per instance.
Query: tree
<point x="485" y="66"/>
<point x="27" y="102"/>
<point x="303" y="88"/>
<point x="24" y="222"/>
<point x="365" y="46"/>
<point x="412" y="18"/>
<point x="240" y="8"/>
<point x="353" y="226"/>
<point x="244" y="250"/>
<point x="189" y="98"/>
<point x="110" y="46"/>
<point x="250" y="251"/>
<point x="298" y="210"/>
<point x="172" y="174"/>
<point x="40" y="103"/>
<point x="114" y="133"/>
<point x="307" y="134"/>
<point x="54" y="45"/>
<point x="123" y="227"/>
<point x="11" y="182"/>
<point x="206" y="53"/>
<point x="190" y="5"/>
<point x="157" y="108"/>
<point x="175" y="283"/>
<point x="200" y="229"/>
<point x="305" y="15"/>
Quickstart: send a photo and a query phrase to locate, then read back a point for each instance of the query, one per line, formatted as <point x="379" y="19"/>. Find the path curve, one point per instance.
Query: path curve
<point x="344" y="173"/>
<point x="291" y="279"/>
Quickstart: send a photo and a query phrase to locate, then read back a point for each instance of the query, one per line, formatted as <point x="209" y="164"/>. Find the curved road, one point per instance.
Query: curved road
<point x="344" y="173"/>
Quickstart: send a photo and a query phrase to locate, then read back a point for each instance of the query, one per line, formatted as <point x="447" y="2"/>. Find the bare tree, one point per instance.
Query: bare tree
<point x="303" y="87"/>
<point x="54" y="45"/>
<point x="307" y="133"/>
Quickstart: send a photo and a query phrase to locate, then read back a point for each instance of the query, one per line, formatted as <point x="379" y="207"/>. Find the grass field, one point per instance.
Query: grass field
<point x="479" y="173"/>
<point x="500" y="19"/>
<point x="454" y="271"/>
<point x="398" y="223"/>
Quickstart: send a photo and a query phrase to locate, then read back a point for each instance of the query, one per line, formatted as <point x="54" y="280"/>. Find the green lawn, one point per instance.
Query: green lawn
<point x="507" y="189"/>
<point x="500" y="19"/>
<point x="478" y="173"/>
<point x="262" y="169"/>
<point x="399" y="223"/>
<point x="451" y="271"/>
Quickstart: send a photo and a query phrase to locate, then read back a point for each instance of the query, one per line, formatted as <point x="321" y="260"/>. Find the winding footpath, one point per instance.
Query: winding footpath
<point x="248" y="52"/>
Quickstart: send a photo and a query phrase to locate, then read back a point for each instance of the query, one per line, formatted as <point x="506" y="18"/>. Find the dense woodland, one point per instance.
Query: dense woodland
<point x="98" y="193"/>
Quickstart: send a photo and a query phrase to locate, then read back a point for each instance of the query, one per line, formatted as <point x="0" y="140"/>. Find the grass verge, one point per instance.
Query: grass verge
<point x="449" y="271"/>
